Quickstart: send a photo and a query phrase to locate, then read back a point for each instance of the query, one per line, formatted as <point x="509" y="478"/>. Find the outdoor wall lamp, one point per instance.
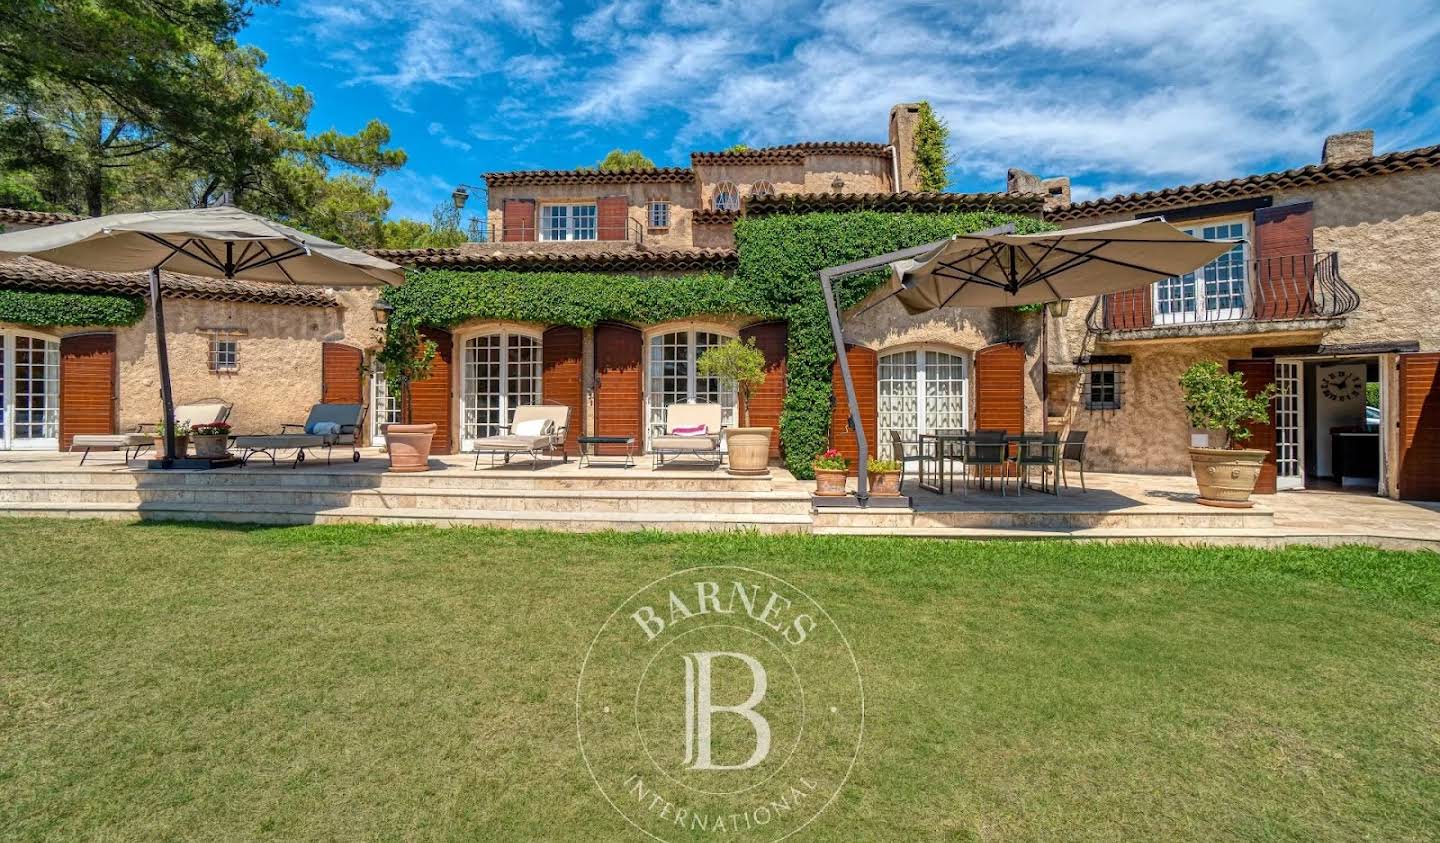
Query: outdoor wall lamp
<point x="1060" y="308"/>
<point x="382" y="311"/>
<point x="837" y="184"/>
<point x="459" y="197"/>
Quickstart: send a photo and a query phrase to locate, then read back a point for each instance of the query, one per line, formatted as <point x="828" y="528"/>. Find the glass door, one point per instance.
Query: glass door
<point x="384" y="409"/>
<point x="29" y="392"/>
<point x="1289" y="425"/>
<point x="673" y="379"/>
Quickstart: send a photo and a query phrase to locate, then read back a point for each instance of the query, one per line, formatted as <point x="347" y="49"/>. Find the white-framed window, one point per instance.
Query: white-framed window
<point x="567" y="222"/>
<point x="658" y="214"/>
<point x="920" y="390"/>
<point x="726" y="198"/>
<point x="224" y="354"/>
<point x="673" y="379"/>
<point x="499" y="372"/>
<point x="384" y="408"/>
<point x="1217" y="291"/>
<point x="762" y="188"/>
<point x="29" y="391"/>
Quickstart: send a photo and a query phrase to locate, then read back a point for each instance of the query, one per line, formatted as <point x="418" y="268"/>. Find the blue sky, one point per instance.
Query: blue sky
<point x="1121" y="95"/>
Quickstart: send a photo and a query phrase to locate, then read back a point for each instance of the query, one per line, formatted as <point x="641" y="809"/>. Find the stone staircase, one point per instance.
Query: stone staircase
<point x="598" y="499"/>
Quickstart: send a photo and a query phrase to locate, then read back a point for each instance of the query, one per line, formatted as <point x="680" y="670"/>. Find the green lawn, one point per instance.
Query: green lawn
<point x="187" y="682"/>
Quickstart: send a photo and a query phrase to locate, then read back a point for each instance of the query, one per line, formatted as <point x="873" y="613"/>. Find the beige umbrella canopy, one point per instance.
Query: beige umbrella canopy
<point x="1005" y="270"/>
<point x="219" y="242"/>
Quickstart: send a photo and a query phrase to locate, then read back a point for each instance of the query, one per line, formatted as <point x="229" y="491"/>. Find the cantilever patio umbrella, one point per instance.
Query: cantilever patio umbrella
<point x="998" y="268"/>
<point x="218" y="242"/>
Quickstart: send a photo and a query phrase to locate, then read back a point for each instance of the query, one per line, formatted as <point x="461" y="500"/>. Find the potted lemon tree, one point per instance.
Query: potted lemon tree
<point x="1218" y="400"/>
<point x="740" y="366"/>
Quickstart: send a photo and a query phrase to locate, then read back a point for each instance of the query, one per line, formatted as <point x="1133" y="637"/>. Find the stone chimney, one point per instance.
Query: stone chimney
<point x="1055" y="190"/>
<point x="903" y="120"/>
<point x="1348" y="146"/>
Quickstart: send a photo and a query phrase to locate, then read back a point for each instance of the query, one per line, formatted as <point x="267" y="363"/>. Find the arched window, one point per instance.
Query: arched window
<point x="727" y="197"/>
<point x="762" y="188"/>
<point x="29" y="391"/>
<point x="673" y="379"/>
<point x="921" y="391"/>
<point x="500" y="371"/>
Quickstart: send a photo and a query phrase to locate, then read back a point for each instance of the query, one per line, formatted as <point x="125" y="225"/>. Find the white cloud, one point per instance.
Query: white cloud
<point x="438" y="131"/>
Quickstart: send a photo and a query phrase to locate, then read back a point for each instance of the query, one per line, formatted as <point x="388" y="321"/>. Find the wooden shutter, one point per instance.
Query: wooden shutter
<point x="1129" y="309"/>
<point x="864" y="371"/>
<point x="562" y="376"/>
<point x="1285" y="261"/>
<point x="619" y="388"/>
<point x="431" y="398"/>
<point x="340" y="367"/>
<point x="1000" y="388"/>
<point x="612" y="217"/>
<point x="518" y="220"/>
<point x="768" y="401"/>
<point x="1419" y="458"/>
<point x="1259" y="374"/>
<point x="87" y="386"/>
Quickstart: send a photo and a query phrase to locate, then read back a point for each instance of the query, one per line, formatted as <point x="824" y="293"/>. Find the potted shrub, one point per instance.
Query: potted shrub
<point x="1217" y="400"/>
<point x="182" y="438"/>
<point x="406" y="357"/>
<point x="830" y="470"/>
<point x="740" y="366"/>
<point x="211" y="440"/>
<point x="884" y="477"/>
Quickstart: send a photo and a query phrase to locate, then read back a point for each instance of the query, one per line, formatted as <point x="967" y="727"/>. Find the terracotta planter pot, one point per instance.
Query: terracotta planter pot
<point x="215" y="447"/>
<point x="829" y="482"/>
<point x="749" y="450"/>
<point x="885" y="484"/>
<point x="409" y="446"/>
<point x="1226" y="477"/>
<point x="182" y="446"/>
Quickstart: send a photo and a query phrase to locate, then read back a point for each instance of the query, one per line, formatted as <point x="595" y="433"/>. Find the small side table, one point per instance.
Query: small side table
<point x="595" y="441"/>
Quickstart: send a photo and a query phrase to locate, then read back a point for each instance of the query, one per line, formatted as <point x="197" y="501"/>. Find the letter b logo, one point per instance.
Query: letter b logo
<point x="700" y="709"/>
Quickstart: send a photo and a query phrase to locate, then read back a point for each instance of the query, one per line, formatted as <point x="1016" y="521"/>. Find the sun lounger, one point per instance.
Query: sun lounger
<point x="328" y="425"/>
<point x="209" y="410"/>
<point x="534" y="429"/>
<point x="679" y="436"/>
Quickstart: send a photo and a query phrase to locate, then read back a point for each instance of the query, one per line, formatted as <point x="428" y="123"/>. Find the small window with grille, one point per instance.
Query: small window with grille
<point x="659" y="214"/>
<point x="1104" y="386"/>
<point x="224" y="354"/>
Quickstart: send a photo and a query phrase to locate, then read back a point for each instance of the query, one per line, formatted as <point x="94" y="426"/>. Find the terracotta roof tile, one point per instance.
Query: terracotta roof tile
<point x="408" y="254"/>
<point x="546" y="177"/>
<point x="790" y="154"/>
<point x="706" y="217"/>
<point x="627" y="261"/>
<point x="1257" y="185"/>
<point x="800" y="203"/>
<point x="19" y="217"/>
<point x="33" y="274"/>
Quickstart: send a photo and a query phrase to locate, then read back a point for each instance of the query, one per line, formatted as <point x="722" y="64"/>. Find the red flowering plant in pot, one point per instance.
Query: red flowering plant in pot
<point x="830" y="470"/>
<point x="211" y="440"/>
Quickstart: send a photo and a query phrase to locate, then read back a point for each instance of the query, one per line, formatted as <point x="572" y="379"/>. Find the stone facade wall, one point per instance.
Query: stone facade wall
<point x="681" y="197"/>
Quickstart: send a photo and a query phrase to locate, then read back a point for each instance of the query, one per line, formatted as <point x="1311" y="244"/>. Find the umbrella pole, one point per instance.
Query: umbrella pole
<point x="162" y="352"/>
<point x="837" y="334"/>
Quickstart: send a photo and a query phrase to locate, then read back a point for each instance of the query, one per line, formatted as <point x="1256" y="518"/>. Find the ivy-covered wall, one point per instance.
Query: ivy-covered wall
<point x="26" y="307"/>
<point x="776" y="279"/>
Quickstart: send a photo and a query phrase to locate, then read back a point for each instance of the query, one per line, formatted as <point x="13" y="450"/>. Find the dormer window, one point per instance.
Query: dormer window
<point x="727" y="197"/>
<point x="762" y="188"/>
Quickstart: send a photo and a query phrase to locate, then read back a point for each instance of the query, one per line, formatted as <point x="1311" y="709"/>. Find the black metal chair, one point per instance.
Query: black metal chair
<point x="1073" y="451"/>
<point x="1043" y="452"/>
<point x="900" y="455"/>
<point x="986" y="451"/>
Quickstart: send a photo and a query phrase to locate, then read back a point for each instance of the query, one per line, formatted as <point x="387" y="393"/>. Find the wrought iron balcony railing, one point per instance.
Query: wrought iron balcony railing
<point x="1289" y="287"/>
<point x="628" y="231"/>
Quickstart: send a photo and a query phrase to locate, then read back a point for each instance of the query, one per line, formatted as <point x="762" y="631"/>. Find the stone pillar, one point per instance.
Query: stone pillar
<point x="903" y="120"/>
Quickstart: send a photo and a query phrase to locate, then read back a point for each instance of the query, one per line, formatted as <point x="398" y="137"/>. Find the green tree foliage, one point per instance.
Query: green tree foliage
<point x="26" y="307"/>
<point x="932" y="151"/>
<point x="618" y="160"/>
<point x="738" y="365"/>
<point x="442" y="232"/>
<point x="737" y="147"/>
<point x="1217" y="400"/>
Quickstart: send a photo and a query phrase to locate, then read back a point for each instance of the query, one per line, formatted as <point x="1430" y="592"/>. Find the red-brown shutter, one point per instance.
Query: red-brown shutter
<point x="562" y="378"/>
<point x="1259" y="374"/>
<point x="1000" y="388"/>
<point x="769" y="400"/>
<point x="619" y="390"/>
<point x="612" y="217"/>
<point x="1128" y="309"/>
<point x="1285" y="261"/>
<point x="518" y="220"/>
<point x="430" y="399"/>
<point x="87" y="386"/>
<point x="1419" y="427"/>
<point x="340" y="366"/>
<point x="864" y="371"/>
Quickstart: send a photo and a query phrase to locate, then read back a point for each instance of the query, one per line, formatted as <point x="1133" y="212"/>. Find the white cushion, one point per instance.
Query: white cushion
<point x="533" y="427"/>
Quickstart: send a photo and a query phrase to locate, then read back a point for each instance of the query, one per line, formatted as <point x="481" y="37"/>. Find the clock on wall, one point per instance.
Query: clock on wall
<point x="1342" y="385"/>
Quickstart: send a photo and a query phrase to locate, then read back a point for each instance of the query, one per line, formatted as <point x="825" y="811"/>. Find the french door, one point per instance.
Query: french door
<point x="1289" y="425"/>
<point x="1217" y="291"/>
<point x="674" y="380"/>
<point x="384" y="409"/>
<point x="29" y="391"/>
<point x="920" y="391"/>
<point x="499" y="373"/>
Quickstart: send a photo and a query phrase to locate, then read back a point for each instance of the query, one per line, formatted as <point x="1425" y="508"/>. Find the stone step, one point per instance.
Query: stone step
<point x="506" y="519"/>
<point x="1159" y="517"/>
<point x="1242" y="537"/>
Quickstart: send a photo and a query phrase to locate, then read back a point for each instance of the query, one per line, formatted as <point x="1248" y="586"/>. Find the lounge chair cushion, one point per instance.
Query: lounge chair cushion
<point x="534" y="427"/>
<point x="283" y="442"/>
<point x="112" y="440"/>
<point x="512" y="443"/>
<point x="684" y="443"/>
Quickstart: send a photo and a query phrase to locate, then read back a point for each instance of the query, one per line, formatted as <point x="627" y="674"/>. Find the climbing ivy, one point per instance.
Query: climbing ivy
<point x="26" y="307"/>
<point x="776" y="279"/>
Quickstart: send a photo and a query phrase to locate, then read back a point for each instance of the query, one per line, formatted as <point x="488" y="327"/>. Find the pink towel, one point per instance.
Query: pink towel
<point x="691" y="430"/>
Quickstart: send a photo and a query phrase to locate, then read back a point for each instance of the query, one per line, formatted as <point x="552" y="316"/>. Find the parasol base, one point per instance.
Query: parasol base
<point x="193" y="463"/>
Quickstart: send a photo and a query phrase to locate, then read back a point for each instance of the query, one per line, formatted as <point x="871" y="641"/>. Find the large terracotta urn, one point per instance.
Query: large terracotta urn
<point x="749" y="449"/>
<point x="409" y="446"/>
<point x="1226" y="477"/>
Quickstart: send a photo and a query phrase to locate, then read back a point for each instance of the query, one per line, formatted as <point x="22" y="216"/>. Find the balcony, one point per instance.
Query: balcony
<point x="1287" y="293"/>
<point x="604" y="232"/>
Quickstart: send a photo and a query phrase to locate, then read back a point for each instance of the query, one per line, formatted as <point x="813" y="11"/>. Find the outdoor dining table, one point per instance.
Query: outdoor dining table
<point x="942" y="439"/>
